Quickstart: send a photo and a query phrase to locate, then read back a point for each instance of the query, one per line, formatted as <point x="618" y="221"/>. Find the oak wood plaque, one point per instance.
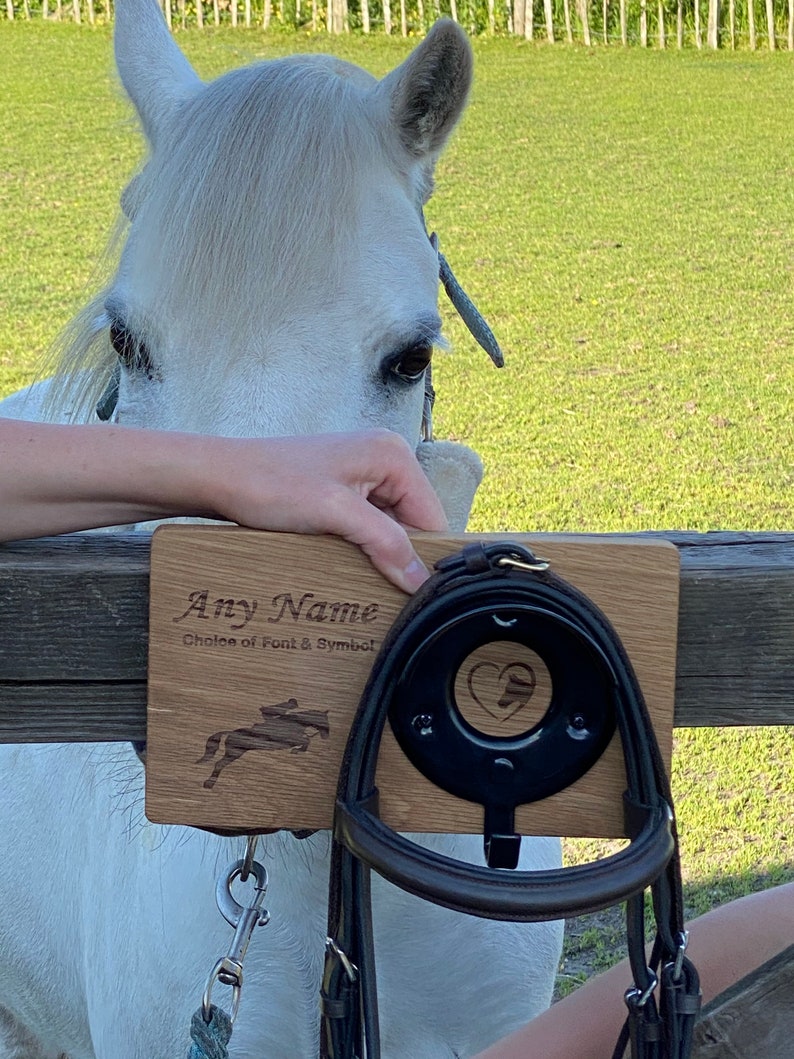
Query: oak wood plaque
<point x="260" y="645"/>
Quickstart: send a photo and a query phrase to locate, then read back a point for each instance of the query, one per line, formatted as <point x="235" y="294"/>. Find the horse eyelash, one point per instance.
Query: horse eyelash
<point x="133" y="354"/>
<point x="123" y="342"/>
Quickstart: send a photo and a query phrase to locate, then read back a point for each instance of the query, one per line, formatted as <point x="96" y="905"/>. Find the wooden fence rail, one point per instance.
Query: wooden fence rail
<point x="74" y="627"/>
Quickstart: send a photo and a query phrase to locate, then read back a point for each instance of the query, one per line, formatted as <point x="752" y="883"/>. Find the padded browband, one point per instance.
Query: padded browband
<point x="519" y="896"/>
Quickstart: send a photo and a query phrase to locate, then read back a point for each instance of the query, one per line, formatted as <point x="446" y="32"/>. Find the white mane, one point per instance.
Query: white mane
<point x="259" y="175"/>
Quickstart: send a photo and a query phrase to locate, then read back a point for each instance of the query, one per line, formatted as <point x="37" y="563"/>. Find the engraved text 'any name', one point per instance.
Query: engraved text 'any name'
<point x="239" y="612"/>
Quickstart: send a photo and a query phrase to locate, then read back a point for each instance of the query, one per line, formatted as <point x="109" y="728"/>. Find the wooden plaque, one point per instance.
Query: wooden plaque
<point x="260" y="646"/>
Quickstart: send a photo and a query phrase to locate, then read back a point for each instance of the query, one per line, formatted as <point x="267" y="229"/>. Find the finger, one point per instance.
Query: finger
<point x="383" y="540"/>
<point x="403" y="489"/>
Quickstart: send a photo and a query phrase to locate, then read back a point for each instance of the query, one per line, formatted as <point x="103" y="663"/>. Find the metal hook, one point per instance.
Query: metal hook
<point x="636" y="997"/>
<point x="229" y="969"/>
<point x="339" y="953"/>
<point x="248" y="859"/>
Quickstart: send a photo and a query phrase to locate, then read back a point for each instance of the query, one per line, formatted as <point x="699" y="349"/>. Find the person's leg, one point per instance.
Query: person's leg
<point x="725" y="945"/>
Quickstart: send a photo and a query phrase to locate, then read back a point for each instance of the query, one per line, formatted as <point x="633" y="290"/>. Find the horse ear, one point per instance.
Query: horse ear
<point x="154" y="72"/>
<point x="427" y="93"/>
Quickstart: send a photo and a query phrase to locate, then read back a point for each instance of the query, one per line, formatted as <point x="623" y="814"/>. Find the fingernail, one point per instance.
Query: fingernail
<point x="416" y="573"/>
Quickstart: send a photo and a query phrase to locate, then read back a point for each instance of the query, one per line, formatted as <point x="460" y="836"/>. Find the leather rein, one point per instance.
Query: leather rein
<point x="452" y="614"/>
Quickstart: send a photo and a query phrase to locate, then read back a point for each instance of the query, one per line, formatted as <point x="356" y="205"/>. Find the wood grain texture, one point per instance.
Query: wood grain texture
<point x="74" y="633"/>
<point x="260" y="646"/>
<point x="755" y="1017"/>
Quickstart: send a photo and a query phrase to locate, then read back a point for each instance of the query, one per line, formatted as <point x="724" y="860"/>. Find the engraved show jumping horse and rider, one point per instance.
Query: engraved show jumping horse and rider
<point x="280" y="729"/>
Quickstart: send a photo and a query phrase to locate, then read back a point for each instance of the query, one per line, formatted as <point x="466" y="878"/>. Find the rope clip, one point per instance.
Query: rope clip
<point x="229" y="968"/>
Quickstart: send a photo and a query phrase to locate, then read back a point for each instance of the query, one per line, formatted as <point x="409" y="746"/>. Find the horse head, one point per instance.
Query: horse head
<point x="277" y="277"/>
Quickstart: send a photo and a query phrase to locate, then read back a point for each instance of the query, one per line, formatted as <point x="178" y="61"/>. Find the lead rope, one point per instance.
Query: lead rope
<point x="210" y="1039"/>
<point x="466" y="309"/>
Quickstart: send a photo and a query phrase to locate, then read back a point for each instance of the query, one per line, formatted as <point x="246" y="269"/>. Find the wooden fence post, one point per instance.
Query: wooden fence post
<point x="770" y="24"/>
<point x="584" y="18"/>
<point x="713" y="31"/>
<point x="519" y="17"/>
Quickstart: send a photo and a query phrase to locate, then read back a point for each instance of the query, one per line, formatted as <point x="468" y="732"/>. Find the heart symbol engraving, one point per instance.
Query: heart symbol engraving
<point x="501" y="692"/>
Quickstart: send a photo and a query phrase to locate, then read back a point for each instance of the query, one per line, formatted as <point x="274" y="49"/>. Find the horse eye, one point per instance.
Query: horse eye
<point x="124" y="344"/>
<point x="132" y="353"/>
<point x="411" y="363"/>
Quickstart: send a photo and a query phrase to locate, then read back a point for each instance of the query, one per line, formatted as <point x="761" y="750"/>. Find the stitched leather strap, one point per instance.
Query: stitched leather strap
<point x="521" y="896"/>
<point x="542" y="609"/>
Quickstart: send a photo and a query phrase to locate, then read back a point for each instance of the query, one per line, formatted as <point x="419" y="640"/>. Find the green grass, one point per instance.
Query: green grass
<point x="735" y="802"/>
<point x="625" y="219"/>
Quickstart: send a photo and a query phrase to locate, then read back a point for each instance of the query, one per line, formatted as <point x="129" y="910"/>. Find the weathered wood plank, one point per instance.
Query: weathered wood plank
<point x="74" y="608"/>
<point x="736" y="629"/>
<point x="74" y="633"/>
<point x="63" y="713"/>
<point x="755" y="1017"/>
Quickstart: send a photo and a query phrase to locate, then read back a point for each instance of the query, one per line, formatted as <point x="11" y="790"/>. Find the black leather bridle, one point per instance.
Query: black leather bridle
<point x="488" y="592"/>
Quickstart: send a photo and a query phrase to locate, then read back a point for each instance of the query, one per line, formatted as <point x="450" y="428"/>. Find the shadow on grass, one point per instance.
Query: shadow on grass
<point x="595" y="942"/>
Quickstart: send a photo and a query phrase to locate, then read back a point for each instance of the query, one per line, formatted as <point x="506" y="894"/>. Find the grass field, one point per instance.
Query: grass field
<point x="625" y="219"/>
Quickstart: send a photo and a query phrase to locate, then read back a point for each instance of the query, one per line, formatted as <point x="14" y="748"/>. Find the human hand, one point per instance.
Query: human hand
<point x="366" y="487"/>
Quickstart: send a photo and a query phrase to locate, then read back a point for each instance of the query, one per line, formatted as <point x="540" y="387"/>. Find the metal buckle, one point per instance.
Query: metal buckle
<point x="349" y="967"/>
<point x="638" y="998"/>
<point x="537" y="567"/>
<point x="683" y="942"/>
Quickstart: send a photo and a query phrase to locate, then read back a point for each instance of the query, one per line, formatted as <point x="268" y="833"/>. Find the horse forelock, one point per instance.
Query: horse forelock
<point x="249" y="207"/>
<point x="258" y="185"/>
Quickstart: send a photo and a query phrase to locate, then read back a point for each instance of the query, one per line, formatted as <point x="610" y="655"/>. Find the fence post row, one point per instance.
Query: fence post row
<point x="605" y="22"/>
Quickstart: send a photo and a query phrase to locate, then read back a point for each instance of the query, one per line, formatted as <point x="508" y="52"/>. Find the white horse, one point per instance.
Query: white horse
<point x="276" y="278"/>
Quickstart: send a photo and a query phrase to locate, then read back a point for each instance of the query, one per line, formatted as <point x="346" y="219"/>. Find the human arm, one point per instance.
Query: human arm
<point x="366" y="487"/>
<point x="725" y="945"/>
